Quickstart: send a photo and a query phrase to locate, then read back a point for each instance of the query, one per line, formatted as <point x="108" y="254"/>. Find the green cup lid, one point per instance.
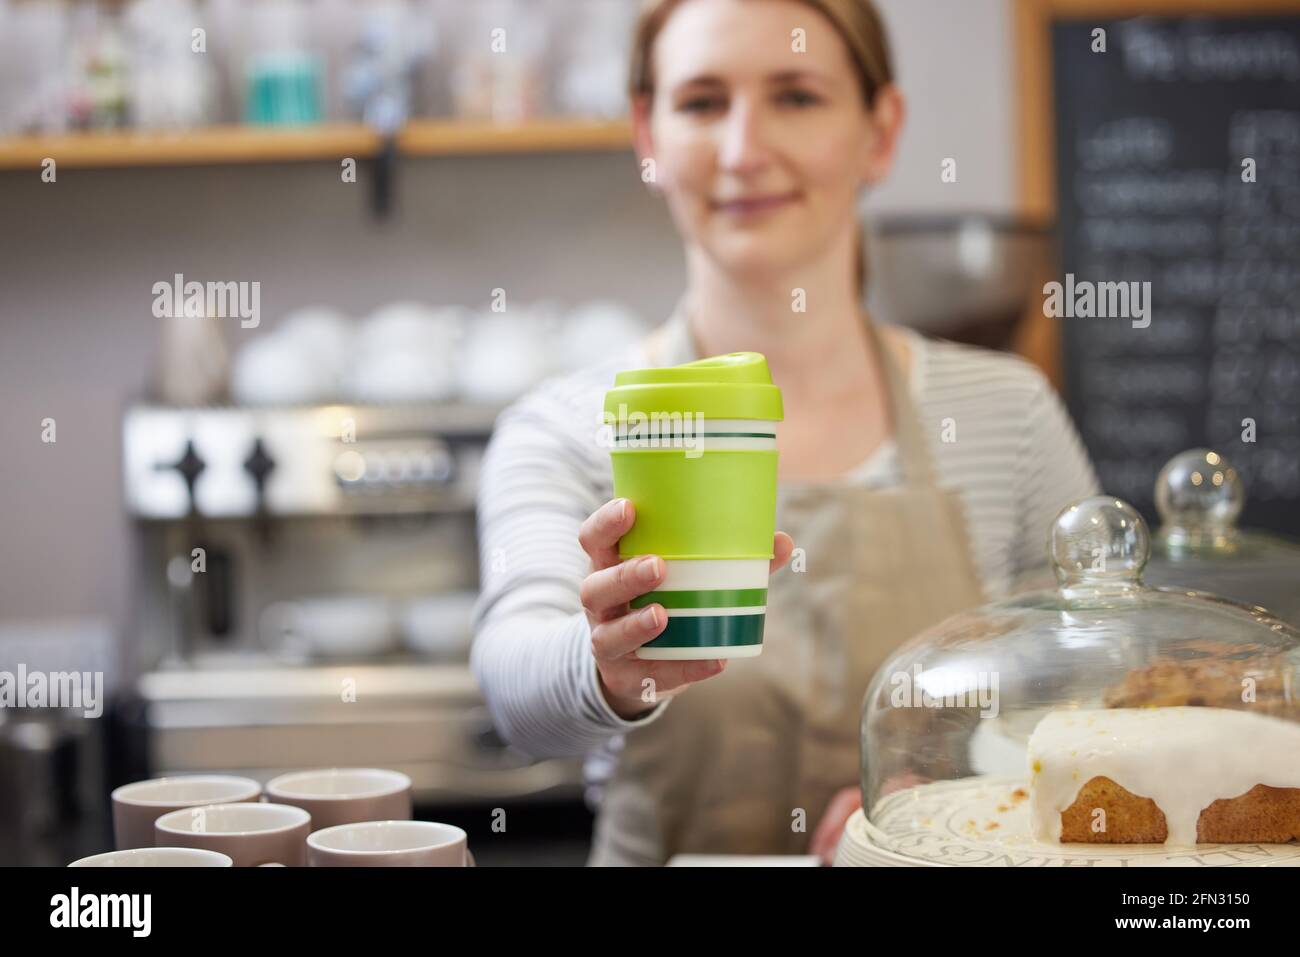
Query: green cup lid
<point x="732" y="386"/>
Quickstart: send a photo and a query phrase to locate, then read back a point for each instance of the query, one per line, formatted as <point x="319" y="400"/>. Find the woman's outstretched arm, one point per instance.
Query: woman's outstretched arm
<point x="543" y="474"/>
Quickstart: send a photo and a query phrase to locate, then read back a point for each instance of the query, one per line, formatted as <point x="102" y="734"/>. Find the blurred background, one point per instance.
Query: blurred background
<point x="235" y="516"/>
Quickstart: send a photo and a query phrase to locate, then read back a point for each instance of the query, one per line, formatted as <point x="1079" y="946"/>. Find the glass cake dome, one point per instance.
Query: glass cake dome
<point x="965" y="727"/>
<point x="1199" y="496"/>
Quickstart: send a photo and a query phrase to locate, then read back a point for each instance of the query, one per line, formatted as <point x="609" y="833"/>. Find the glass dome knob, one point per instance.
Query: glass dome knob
<point x="1199" y="489"/>
<point x="1099" y="540"/>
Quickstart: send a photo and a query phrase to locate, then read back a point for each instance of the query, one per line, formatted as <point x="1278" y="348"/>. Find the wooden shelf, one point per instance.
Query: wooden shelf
<point x="442" y="138"/>
<point x="211" y="146"/>
<point x="224" y="145"/>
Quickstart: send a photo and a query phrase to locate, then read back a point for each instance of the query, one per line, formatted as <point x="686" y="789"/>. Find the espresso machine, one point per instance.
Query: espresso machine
<point x="306" y="577"/>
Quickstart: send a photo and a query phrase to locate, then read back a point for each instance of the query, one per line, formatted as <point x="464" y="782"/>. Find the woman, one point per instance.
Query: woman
<point x="917" y="478"/>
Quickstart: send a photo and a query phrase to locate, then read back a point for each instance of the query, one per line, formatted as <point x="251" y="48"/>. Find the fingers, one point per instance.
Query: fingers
<point x="826" y="837"/>
<point x="624" y="680"/>
<point x="605" y="593"/>
<point x="679" y="674"/>
<point x="782" y="549"/>
<point x="600" y="531"/>
<point x="618" y="637"/>
<point x="673" y="677"/>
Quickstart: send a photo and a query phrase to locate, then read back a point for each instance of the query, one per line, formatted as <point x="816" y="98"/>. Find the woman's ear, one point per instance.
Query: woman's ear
<point x="887" y="115"/>
<point x="642" y="141"/>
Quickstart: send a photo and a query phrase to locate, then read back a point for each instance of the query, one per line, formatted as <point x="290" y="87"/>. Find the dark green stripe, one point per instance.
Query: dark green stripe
<point x="697" y="598"/>
<point x="713" y="631"/>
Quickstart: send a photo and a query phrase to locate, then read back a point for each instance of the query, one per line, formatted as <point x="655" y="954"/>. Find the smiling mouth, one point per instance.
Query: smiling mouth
<point x="751" y="205"/>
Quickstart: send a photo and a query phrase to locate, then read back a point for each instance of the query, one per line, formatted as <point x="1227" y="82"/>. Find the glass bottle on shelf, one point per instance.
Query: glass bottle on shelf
<point x="501" y="69"/>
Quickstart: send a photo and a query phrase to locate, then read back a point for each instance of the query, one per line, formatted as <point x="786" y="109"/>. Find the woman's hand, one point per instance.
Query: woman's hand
<point x="616" y="631"/>
<point x="826" y="838"/>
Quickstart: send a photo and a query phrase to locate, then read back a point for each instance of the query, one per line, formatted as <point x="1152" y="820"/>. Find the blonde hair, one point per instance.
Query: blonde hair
<point x="856" y="21"/>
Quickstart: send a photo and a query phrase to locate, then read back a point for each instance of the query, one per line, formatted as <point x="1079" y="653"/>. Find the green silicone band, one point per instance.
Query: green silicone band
<point x="699" y="598"/>
<point x="720" y="631"/>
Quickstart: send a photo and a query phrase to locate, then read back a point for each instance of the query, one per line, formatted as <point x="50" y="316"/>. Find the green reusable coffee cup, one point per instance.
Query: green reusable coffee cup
<point x="694" y="449"/>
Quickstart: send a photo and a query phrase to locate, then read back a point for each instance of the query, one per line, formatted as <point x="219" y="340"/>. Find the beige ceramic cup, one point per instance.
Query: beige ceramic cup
<point x="156" y="857"/>
<point x="251" y="834"/>
<point x="336" y="796"/>
<point x="137" y="806"/>
<point x="389" y="844"/>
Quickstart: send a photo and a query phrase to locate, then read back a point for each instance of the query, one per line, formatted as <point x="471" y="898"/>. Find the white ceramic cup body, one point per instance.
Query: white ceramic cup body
<point x="138" y="805"/>
<point x="389" y="844"/>
<point x="336" y="796"/>
<point x="251" y="834"/>
<point x="156" y="857"/>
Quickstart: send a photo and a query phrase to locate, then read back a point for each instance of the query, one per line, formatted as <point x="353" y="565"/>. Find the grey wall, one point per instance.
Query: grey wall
<point x="78" y="259"/>
<point x="955" y="66"/>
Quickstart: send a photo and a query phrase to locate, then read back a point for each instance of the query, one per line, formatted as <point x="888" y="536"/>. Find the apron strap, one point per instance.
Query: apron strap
<point x="914" y="458"/>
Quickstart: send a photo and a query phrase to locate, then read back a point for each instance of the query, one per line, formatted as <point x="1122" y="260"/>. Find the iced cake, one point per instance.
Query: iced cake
<point x="1177" y="775"/>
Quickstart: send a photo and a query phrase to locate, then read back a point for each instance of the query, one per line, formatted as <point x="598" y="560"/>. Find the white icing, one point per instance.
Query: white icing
<point x="1182" y="758"/>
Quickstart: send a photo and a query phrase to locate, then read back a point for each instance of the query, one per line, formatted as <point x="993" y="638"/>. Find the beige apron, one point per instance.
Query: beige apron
<point x="746" y="762"/>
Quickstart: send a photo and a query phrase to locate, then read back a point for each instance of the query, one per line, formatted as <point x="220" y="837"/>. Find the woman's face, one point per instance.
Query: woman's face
<point x="760" y="149"/>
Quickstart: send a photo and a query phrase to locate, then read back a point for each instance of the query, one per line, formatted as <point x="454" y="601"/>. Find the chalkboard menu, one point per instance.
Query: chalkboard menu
<point x="1178" y="165"/>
